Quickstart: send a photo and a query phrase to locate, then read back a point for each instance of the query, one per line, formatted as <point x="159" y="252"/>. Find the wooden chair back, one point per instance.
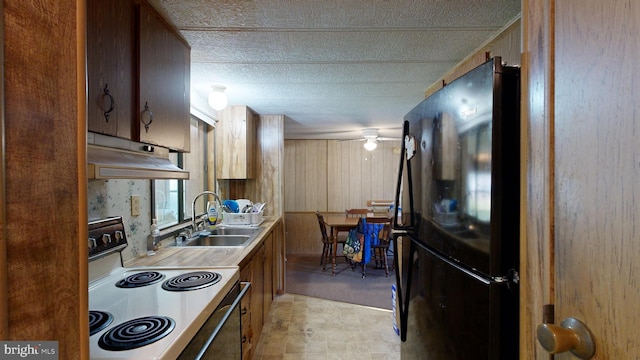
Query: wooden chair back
<point x="323" y="228"/>
<point x="379" y="250"/>
<point x="385" y="234"/>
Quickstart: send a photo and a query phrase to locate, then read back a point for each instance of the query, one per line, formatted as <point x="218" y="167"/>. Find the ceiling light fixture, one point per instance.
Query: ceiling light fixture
<point x="217" y="98"/>
<point x="371" y="135"/>
<point x="371" y="144"/>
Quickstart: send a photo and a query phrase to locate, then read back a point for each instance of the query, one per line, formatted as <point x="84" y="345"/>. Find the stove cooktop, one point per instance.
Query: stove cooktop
<point x="172" y="317"/>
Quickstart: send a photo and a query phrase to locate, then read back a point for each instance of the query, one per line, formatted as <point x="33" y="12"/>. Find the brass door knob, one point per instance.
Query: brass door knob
<point x="571" y="335"/>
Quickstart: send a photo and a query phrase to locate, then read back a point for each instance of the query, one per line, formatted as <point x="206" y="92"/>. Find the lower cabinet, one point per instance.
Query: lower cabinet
<point x="267" y="272"/>
<point x="246" y="274"/>
<point x="258" y="269"/>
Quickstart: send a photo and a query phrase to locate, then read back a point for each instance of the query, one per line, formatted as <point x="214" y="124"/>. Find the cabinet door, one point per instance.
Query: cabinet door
<point x="278" y="259"/>
<point x="110" y="67"/>
<point x="163" y="107"/>
<point x="236" y="138"/>
<point x="268" y="274"/>
<point x="257" y="300"/>
<point x="246" y="274"/>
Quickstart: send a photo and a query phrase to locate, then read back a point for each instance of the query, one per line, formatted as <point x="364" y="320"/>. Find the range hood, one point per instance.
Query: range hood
<point x="114" y="163"/>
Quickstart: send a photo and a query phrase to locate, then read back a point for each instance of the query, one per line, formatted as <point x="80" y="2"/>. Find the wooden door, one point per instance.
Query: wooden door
<point x="591" y="89"/>
<point x="597" y="183"/>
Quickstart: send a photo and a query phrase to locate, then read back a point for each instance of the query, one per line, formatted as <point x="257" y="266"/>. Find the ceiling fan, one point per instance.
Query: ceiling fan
<point x="370" y="135"/>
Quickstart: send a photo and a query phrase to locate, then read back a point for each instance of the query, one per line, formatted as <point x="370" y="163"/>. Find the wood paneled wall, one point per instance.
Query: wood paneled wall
<point x="355" y="175"/>
<point x="305" y="175"/>
<point x="330" y="176"/>
<point x="303" y="234"/>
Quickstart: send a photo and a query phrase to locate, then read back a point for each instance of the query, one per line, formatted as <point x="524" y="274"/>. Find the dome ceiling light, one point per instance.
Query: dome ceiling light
<point x="217" y="98"/>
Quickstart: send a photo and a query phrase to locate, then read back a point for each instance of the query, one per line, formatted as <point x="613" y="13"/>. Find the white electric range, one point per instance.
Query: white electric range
<point x="157" y="312"/>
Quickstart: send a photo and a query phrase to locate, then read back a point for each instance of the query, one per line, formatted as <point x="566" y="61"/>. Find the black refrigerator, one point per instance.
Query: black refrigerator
<point x="458" y="261"/>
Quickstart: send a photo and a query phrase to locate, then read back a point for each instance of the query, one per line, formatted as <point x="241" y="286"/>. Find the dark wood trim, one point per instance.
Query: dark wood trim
<point x="45" y="173"/>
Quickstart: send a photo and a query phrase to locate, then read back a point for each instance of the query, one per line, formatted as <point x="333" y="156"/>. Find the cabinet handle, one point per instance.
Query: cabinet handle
<point x="244" y="339"/>
<point x="244" y="310"/>
<point x="111" y="102"/>
<point x="146" y="110"/>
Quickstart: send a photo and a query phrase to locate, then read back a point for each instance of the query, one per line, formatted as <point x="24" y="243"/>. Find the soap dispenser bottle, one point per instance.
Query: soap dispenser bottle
<point x="152" y="238"/>
<point x="154" y="228"/>
<point x="212" y="213"/>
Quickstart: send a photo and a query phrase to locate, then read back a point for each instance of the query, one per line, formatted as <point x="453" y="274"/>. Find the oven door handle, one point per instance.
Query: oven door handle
<point x="245" y="287"/>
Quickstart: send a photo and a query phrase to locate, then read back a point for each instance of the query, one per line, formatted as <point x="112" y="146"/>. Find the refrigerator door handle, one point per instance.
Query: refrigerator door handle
<point x="455" y="264"/>
<point x="403" y="154"/>
<point x="511" y="279"/>
<point x="404" y="289"/>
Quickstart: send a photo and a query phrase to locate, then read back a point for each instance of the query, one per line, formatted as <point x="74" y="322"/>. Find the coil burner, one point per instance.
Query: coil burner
<point x="98" y="320"/>
<point x="191" y="281"/>
<point x="140" y="279"/>
<point x="136" y="333"/>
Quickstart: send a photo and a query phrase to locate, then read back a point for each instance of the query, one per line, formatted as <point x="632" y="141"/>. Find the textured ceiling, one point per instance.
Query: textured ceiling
<point x="332" y="67"/>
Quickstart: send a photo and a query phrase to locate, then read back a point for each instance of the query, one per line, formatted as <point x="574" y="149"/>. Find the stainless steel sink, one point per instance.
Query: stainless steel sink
<point x="230" y="237"/>
<point x="235" y="231"/>
<point x="220" y="240"/>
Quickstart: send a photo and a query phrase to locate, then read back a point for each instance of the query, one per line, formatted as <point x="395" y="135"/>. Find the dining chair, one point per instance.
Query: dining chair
<point x="327" y="243"/>
<point x="352" y="213"/>
<point x="376" y="236"/>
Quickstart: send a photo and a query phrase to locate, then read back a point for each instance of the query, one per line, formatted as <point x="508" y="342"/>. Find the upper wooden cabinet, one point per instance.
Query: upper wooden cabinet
<point x="236" y="138"/>
<point x="138" y="71"/>
<point x="111" y="49"/>
<point x="164" y="95"/>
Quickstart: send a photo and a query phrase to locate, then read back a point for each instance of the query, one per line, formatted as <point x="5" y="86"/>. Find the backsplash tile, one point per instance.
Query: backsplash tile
<point x="113" y="198"/>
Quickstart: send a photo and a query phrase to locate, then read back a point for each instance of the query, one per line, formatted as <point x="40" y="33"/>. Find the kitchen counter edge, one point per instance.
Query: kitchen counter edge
<point x="204" y="256"/>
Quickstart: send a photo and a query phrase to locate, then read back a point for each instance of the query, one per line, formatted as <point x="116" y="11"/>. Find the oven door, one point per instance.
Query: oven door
<point x="220" y="337"/>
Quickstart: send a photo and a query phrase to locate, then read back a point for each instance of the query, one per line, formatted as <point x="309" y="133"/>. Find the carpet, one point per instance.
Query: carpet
<point x="305" y="277"/>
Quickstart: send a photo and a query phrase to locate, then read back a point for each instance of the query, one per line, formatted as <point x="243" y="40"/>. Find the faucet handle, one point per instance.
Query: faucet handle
<point x="182" y="237"/>
<point x="201" y="224"/>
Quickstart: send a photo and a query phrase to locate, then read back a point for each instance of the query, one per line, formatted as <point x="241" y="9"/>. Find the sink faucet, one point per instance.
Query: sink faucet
<point x="194" y="221"/>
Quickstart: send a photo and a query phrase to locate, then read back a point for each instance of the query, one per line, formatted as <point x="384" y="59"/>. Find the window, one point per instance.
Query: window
<point x="172" y="198"/>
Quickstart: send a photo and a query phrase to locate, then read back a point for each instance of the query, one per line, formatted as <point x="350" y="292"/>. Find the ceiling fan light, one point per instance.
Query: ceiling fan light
<point x="217" y="98"/>
<point x="370" y="133"/>
<point x="371" y="144"/>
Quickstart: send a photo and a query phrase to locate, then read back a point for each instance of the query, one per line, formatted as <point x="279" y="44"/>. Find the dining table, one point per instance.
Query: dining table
<point x="338" y="223"/>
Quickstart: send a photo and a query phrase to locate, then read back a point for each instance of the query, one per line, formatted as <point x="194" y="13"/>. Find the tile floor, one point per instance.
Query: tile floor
<point x="302" y="327"/>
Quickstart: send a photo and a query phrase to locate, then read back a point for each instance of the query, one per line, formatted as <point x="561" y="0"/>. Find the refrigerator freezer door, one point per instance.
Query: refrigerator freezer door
<point x="464" y="179"/>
